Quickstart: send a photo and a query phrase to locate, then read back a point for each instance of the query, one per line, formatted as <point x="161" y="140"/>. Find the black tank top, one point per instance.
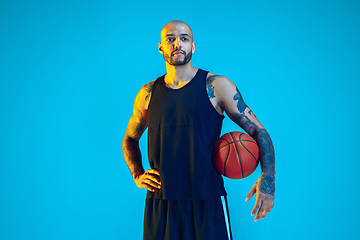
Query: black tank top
<point x="183" y="127"/>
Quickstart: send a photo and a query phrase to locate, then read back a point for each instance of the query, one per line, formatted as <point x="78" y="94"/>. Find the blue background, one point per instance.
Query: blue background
<point x="69" y="73"/>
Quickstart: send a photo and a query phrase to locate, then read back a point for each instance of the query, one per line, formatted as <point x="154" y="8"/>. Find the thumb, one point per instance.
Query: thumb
<point x="251" y="193"/>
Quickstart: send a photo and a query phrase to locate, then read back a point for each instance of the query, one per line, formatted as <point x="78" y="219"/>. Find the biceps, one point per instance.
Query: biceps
<point x="246" y="120"/>
<point x="241" y="114"/>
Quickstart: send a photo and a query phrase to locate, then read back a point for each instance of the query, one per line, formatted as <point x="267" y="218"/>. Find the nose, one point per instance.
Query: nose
<point x="177" y="43"/>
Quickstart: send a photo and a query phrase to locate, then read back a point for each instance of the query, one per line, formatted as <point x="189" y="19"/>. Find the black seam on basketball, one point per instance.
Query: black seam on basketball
<point x="227" y="157"/>
<point x="245" y="141"/>
<point x="247" y="149"/>
<point x="228" y="143"/>
<point x="222" y="146"/>
<point x="239" y="157"/>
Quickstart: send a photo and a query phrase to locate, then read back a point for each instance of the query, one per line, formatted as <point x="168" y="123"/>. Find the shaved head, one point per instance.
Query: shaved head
<point x="176" y="45"/>
<point x="176" y="24"/>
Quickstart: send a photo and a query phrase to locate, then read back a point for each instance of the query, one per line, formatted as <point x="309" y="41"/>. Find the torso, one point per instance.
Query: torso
<point x="182" y="126"/>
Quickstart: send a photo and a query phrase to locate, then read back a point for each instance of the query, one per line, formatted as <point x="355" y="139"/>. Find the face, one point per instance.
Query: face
<point x="177" y="44"/>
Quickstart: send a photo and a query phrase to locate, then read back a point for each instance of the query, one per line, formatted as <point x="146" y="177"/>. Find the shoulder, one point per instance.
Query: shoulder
<point x="219" y="82"/>
<point x="213" y="78"/>
<point x="144" y="95"/>
<point x="147" y="89"/>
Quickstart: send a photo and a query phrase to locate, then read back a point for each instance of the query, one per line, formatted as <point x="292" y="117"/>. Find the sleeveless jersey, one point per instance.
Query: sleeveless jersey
<point x="183" y="127"/>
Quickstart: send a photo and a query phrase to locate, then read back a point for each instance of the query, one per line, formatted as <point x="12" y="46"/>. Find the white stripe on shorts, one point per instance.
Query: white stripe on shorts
<point x="227" y="218"/>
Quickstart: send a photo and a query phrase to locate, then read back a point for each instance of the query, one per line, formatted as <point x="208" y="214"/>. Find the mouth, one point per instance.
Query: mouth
<point x="178" y="53"/>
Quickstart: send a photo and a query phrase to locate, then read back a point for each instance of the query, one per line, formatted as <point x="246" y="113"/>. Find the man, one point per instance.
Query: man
<point x="183" y="111"/>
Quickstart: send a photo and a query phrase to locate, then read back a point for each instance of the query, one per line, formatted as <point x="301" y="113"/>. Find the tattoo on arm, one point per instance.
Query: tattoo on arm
<point x="149" y="88"/>
<point x="240" y="104"/>
<point x="240" y="118"/>
<point x="266" y="148"/>
<point x="267" y="161"/>
<point x="210" y="86"/>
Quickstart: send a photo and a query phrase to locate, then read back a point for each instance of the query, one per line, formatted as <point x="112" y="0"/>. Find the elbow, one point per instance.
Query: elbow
<point x="128" y="141"/>
<point x="258" y="133"/>
<point x="253" y="130"/>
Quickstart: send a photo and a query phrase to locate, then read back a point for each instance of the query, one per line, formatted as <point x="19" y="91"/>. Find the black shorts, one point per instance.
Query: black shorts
<point x="185" y="220"/>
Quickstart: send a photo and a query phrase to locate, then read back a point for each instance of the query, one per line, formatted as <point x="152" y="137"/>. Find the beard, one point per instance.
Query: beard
<point x="170" y="59"/>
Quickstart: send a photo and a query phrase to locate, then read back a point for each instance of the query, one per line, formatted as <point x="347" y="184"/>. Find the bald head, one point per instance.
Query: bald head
<point x="176" y="25"/>
<point x="177" y="45"/>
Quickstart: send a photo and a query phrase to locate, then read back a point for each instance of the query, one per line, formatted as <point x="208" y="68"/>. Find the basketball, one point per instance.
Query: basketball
<point x="235" y="155"/>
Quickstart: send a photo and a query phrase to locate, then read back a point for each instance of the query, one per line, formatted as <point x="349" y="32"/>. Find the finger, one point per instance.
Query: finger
<point x="261" y="211"/>
<point x="154" y="171"/>
<point x="143" y="184"/>
<point x="148" y="187"/>
<point x="152" y="183"/>
<point x="268" y="203"/>
<point x="251" y="193"/>
<point x="268" y="208"/>
<point x="256" y="207"/>
<point x="266" y="211"/>
<point x="154" y="178"/>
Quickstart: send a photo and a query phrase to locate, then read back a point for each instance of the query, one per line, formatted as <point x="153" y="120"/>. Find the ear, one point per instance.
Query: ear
<point x="160" y="48"/>
<point x="193" y="47"/>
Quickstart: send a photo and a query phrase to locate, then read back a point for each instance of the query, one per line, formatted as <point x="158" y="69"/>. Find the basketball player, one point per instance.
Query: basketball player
<point x="183" y="111"/>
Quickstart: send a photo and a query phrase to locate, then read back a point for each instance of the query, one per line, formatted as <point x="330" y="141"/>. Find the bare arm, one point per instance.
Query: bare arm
<point x="130" y="145"/>
<point x="227" y="97"/>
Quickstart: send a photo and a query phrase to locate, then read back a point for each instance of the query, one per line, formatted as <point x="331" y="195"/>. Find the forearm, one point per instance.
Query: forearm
<point x="267" y="160"/>
<point x="132" y="155"/>
<point x="266" y="152"/>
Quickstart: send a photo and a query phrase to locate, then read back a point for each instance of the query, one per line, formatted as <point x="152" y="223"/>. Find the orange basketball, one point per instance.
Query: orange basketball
<point x="236" y="155"/>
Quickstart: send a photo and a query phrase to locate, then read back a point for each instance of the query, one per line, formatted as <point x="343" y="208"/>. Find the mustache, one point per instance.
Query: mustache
<point x="178" y="51"/>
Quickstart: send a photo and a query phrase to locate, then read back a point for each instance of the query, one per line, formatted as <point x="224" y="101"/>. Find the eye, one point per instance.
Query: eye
<point x="170" y="39"/>
<point x="185" y="39"/>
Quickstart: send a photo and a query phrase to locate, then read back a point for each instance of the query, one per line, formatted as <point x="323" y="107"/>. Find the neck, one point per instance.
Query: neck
<point x="177" y="76"/>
